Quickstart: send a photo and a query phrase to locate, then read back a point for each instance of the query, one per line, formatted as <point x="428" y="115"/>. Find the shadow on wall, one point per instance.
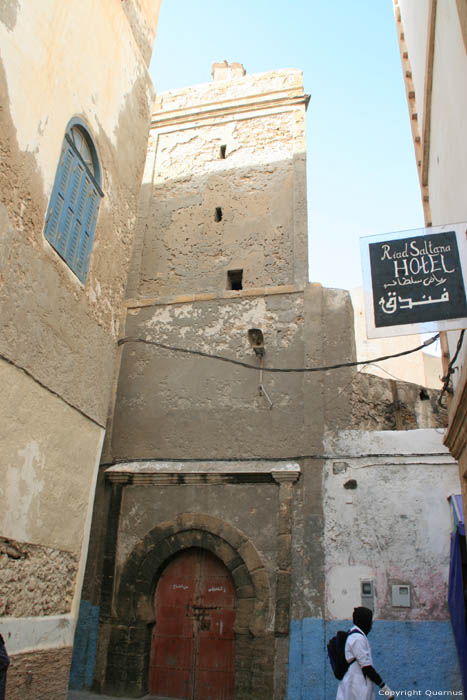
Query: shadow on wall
<point x="194" y="230"/>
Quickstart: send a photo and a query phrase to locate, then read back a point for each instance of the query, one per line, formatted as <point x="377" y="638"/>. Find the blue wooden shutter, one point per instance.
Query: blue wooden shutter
<point x="59" y="194"/>
<point x="70" y="206"/>
<point x="77" y="229"/>
<point x="88" y="227"/>
<point x="72" y="212"/>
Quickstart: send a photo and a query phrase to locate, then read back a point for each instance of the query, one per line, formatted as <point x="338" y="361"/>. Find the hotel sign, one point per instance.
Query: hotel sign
<point x="414" y="281"/>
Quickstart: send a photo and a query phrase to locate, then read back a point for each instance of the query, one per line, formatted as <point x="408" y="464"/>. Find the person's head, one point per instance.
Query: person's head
<point x="363" y="618"/>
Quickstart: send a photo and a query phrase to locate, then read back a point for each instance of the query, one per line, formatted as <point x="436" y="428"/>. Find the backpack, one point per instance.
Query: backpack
<point x="336" y="653"/>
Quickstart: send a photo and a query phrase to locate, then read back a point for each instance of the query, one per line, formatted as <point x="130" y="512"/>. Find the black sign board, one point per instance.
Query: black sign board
<point x="417" y="279"/>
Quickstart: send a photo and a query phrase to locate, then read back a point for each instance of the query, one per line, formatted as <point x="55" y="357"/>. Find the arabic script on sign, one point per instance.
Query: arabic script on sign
<point x="393" y="302"/>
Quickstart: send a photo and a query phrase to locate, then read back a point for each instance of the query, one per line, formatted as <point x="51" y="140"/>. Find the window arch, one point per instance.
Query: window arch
<point x="72" y="212"/>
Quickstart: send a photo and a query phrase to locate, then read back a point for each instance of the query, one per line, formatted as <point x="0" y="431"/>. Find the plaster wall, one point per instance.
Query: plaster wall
<point x="201" y="407"/>
<point x="416" y="659"/>
<point x="60" y="331"/>
<point x="143" y="16"/>
<point x="40" y="632"/>
<point x="448" y="162"/>
<point x="58" y="336"/>
<point x="181" y="405"/>
<point x="41" y="100"/>
<point x="392" y="527"/>
<point x="447" y="196"/>
<point x="50" y="454"/>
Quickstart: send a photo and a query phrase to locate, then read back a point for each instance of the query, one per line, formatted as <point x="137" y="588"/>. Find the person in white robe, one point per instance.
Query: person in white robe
<point x="360" y="679"/>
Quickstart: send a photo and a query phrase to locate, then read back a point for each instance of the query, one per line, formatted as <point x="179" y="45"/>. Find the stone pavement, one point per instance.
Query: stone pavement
<point x="85" y="695"/>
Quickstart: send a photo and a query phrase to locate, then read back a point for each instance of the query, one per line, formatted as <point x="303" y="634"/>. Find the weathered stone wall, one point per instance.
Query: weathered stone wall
<point x="203" y="213"/>
<point x="233" y="92"/>
<point x="39" y="675"/>
<point x="379" y="404"/>
<point x="35" y="580"/>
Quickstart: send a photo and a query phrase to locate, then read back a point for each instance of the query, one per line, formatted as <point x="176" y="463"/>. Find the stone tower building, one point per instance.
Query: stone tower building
<point x="209" y="559"/>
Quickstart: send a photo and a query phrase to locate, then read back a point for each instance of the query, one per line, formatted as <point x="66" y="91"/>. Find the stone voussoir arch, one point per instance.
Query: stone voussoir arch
<point x="141" y="572"/>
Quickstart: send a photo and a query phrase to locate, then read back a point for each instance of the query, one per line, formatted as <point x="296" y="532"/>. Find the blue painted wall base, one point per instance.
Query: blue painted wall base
<point x="415" y="657"/>
<point x="84" y="646"/>
<point x="410" y="656"/>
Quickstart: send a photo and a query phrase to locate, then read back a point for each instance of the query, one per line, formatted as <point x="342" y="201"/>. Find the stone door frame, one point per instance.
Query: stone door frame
<point x="127" y="595"/>
<point x="132" y="618"/>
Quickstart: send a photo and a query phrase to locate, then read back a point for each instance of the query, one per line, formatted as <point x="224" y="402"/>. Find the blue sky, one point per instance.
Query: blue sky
<point x="361" y="171"/>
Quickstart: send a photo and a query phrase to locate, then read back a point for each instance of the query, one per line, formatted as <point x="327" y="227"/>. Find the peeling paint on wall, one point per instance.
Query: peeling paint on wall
<point x="23" y="487"/>
<point x="393" y="528"/>
<point x="50" y="453"/>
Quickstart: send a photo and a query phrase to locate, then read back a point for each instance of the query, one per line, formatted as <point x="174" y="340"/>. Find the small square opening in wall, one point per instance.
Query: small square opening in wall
<point x="218" y="214"/>
<point x="235" y="279"/>
<point x="222" y="150"/>
<point x="401" y="596"/>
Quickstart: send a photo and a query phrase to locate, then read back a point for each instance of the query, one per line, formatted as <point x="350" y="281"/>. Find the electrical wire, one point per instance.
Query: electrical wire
<point x="381" y="369"/>
<point x="220" y="358"/>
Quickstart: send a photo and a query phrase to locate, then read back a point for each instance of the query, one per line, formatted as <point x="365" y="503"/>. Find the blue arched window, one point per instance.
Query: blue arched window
<point x="72" y="213"/>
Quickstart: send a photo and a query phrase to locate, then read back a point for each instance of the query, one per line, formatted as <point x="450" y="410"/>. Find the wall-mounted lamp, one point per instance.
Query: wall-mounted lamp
<point x="256" y="340"/>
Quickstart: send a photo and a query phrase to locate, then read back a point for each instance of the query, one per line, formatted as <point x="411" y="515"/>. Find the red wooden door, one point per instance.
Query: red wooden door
<point x="193" y="647"/>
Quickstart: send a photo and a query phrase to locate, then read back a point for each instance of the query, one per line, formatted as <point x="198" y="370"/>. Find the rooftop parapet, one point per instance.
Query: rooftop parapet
<point x="231" y="85"/>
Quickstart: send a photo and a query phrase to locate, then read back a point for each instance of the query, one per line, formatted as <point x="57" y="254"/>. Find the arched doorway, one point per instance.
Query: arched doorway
<point x="193" y="643"/>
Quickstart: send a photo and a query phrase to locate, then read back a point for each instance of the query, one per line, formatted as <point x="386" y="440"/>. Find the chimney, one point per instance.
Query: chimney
<point x="227" y="71"/>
